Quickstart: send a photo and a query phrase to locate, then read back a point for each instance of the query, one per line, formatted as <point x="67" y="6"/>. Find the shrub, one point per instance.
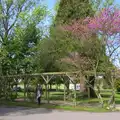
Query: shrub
<point x="13" y="96"/>
<point x="31" y="96"/>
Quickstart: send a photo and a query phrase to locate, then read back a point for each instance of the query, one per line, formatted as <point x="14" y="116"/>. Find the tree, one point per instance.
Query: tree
<point x="91" y="55"/>
<point x="15" y="15"/>
<point x="51" y="49"/>
<point x="77" y="10"/>
<point x="68" y="11"/>
<point x="106" y="24"/>
<point x="19" y="35"/>
<point x="22" y="49"/>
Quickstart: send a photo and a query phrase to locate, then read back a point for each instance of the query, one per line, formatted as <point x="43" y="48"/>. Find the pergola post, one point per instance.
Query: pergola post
<point x="47" y="80"/>
<point x="16" y="82"/>
<point x="74" y="82"/>
<point x="27" y="85"/>
<point x="88" y="88"/>
<point x="64" y="93"/>
<point x="64" y="90"/>
<point x="47" y="88"/>
<point x="24" y="89"/>
<point x="46" y="91"/>
<point x="75" y="102"/>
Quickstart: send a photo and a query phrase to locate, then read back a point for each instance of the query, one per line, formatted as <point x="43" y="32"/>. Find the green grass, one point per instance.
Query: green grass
<point x="59" y="95"/>
<point x="52" y="106"/>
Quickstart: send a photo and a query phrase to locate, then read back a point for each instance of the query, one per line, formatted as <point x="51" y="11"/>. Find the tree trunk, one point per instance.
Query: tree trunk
<point x="24" y="91"/>
<point x="67" y="87"/>
<point x="56" y="87"/>
<point x="91" y="88"/>
<point x="46" y="91"/>
<point x="50" y="86"/>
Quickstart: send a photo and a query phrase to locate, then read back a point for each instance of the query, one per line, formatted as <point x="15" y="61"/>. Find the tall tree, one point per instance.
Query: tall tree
<point x="70" y="10"/>
<point x="18" y="16"/>
<point x="19" y="35"/>
<point x="106" y="24"/>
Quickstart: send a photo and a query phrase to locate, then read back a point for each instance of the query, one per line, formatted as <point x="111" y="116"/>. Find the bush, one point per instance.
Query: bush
<point x="30" y="89"/>
<point x="13" y="96"/>
<point x="117" y="85"/>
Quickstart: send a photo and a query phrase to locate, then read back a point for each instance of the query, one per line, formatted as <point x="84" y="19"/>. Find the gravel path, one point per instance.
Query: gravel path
<point x="20" y="113"/>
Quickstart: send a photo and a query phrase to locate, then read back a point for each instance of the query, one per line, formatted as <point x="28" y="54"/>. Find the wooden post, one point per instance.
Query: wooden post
<point x="9" y="90"/>
<point x="47" y="89"/>
<point x="64" y="93"/>
<point x="16" y="87"/>
<point x="27" y="84"/>
<point x="88" y="92"/>
<point x="50" y="86"/>
<point x="75" y="102"/>
<point x="24" y="89"/>
<point x="48" y="92"/>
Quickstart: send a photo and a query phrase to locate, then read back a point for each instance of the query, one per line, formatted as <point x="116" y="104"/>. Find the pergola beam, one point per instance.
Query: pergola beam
<point x="47" y="77"/>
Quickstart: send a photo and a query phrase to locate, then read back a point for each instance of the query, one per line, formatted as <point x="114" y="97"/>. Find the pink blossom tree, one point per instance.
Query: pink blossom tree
<point x="90" y="48"/>
<point x="107" y="25"/>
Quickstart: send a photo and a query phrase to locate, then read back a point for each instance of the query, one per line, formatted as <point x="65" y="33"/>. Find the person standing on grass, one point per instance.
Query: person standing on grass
<point x="38" y="93"/>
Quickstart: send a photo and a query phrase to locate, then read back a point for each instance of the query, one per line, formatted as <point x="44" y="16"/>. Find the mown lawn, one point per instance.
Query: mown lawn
<point x="59" y="95"/>
<point x="52" y="106"/>
<point x="82" y="102"/>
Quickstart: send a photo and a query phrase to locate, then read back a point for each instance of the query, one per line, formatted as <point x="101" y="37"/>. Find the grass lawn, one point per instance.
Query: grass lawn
<point x="59" y="95"/>
<point x="53" y="106"/>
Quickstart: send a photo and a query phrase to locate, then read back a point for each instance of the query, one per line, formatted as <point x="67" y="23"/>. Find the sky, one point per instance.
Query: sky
<point x="117" y="2"/>
<point x="51" y="3"/>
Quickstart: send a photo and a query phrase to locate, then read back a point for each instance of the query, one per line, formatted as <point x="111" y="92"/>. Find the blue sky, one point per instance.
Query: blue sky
<point x="51" y="3"/>
<point x="117" y="2"/>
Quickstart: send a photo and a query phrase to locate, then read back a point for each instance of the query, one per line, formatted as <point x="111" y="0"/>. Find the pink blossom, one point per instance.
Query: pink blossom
<point x="78" y="28"/>
<point x="106" y="21"/>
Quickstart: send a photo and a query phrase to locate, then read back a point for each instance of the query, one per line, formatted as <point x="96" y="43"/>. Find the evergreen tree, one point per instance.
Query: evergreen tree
<point x="73" y="9"/>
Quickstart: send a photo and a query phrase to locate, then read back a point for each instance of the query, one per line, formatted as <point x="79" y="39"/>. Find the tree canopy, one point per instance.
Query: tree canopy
<point x="19" y="33"/>
<point x="73" y="9"/>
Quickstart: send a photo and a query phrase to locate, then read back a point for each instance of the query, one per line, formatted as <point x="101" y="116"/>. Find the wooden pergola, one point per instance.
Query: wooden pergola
<point x="47" y="77"/>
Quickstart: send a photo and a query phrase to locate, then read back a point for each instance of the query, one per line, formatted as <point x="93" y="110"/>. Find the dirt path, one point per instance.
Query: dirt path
<point x="20" y="113"/>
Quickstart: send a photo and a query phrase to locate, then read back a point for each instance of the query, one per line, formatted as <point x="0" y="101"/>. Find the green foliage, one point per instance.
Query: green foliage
<point x="19" y="36"/>
<point x="73" y="9"/>
<point x="117" y="85"/>
<point x="52" y="49"/>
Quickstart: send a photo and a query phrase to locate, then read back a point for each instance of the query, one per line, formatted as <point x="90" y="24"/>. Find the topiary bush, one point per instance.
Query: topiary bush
<point x="117" y="85"/>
